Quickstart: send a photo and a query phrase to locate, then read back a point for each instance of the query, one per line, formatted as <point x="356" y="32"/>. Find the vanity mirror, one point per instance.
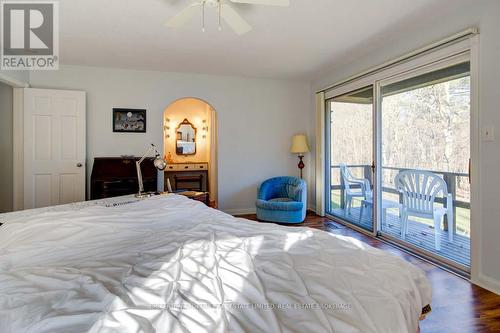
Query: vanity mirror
<point x="186" y="138"/>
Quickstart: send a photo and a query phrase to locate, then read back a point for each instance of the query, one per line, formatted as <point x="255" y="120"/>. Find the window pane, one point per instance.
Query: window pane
<point x="426" y="129"/>
<point x="350" y="149"/>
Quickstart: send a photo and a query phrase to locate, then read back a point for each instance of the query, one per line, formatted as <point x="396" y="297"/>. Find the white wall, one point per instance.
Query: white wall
<point x="6" y="148"/>
<point x="257" y="118"/>
<point x="485" y="15"/>
<point x="16" y="79"/>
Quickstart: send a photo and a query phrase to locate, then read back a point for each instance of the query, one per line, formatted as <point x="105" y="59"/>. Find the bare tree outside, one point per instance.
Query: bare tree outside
<point x="427" y="128"/>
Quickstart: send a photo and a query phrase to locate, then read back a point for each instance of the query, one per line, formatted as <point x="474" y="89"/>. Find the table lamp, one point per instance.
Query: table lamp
<point x="299" y="146"/>
<point x="159" y="164"/>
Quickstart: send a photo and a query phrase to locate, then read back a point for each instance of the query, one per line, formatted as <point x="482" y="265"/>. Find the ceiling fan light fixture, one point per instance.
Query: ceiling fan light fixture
<point x="225" y="12"/>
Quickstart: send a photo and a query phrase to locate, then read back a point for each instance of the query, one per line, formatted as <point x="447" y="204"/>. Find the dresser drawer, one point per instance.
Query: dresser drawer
<point x="186" y="167"/>
<point x="201" y="166"/>
<point x="172" y="167"/>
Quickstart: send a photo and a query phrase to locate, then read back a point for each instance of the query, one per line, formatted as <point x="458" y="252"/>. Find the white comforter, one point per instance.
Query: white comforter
<point x="169" y="264"/>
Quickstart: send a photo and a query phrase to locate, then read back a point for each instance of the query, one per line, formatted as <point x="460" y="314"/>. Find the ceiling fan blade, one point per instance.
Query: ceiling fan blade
<point x="283" y="3"/>
<point x="234" y="20"/>
<point x="184" y="15"/>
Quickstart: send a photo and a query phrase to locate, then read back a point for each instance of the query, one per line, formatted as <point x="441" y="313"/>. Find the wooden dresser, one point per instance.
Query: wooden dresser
<point x="115" y="176"/>
<point x="187" y="176"/>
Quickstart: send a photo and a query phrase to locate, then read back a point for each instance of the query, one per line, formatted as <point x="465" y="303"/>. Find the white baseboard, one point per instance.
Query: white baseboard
<point x="488" y="283"/>
<point x="312" y="208"/>
<point x="240" y="211"/>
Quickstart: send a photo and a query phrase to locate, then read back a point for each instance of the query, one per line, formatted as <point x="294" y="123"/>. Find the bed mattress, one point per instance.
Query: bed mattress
<point x="170" y="264"/>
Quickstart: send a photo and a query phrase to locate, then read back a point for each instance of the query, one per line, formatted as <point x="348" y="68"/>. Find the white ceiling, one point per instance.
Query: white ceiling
<point x="285" y="43"/>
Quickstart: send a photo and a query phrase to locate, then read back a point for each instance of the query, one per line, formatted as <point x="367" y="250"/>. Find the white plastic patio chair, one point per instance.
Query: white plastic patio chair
<point x="419" y="190"/>
<point x="362" y="190"/>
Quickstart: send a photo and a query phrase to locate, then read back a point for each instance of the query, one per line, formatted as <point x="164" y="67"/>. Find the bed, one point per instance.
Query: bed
<point x="170" y="264"/>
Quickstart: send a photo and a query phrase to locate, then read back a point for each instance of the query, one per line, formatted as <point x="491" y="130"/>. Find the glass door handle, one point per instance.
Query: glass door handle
<point x="373" y="174"/>
<point x="469" y="172"/>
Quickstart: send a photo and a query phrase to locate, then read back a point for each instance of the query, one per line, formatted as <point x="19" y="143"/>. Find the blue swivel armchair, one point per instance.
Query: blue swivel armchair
<point x="282" y="200"/>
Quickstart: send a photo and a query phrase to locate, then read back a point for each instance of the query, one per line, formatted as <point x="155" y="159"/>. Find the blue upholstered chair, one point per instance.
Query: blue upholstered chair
<point x="282" y="200"/>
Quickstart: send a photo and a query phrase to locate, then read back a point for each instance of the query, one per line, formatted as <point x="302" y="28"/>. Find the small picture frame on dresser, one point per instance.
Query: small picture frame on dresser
<point x="129" y="120"/>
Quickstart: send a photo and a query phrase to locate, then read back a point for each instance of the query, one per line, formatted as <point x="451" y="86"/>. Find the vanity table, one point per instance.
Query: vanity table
<point x="187" y="176"/>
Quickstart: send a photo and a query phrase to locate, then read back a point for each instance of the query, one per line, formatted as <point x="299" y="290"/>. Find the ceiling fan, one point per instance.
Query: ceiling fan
<point x="225" y="12"/>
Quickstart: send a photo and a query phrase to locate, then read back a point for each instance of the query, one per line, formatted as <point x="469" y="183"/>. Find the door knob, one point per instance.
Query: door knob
<point x="79" y="165"/>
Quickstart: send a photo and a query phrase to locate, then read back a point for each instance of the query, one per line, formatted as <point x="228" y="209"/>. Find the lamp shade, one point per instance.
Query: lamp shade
<point x="160" y="163"/>
<point x="299" y="144"/>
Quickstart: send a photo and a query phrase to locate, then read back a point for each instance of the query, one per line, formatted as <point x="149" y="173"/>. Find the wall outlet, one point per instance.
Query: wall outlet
<point x="488" y="133"/>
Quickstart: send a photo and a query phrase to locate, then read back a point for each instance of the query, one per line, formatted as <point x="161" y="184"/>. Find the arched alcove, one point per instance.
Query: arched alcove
<point x="202" y="117"/>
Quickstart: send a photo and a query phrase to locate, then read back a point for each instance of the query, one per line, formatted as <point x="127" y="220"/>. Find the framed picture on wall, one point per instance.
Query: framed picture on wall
<point x="129" y="120"/>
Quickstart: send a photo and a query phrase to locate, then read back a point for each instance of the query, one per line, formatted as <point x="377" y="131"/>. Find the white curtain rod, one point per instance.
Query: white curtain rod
<point x="451" y="39"/>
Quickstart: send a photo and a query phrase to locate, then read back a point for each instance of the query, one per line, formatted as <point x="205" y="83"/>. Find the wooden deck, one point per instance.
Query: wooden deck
<point x="420" y="234"/>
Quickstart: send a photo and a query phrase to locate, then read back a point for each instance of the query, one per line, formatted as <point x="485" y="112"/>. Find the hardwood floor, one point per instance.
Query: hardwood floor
<point x="458" y="306"/>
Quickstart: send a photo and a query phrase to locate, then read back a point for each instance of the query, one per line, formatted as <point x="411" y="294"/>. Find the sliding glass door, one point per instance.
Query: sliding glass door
<point x="350" y="155"/>
<point x="398" y="157"/>
<point x="425" y="154"/>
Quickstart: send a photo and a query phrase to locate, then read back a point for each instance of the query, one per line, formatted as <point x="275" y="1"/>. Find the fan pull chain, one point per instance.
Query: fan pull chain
<point x="203" y="17"/>
<point x="220" y="26"/>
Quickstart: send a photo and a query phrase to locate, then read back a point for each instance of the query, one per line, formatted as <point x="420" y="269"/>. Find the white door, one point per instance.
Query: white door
<point x="54" y="147"/>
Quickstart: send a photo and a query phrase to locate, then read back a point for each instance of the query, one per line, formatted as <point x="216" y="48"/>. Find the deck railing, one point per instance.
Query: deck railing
<point x="449" y="177"/>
